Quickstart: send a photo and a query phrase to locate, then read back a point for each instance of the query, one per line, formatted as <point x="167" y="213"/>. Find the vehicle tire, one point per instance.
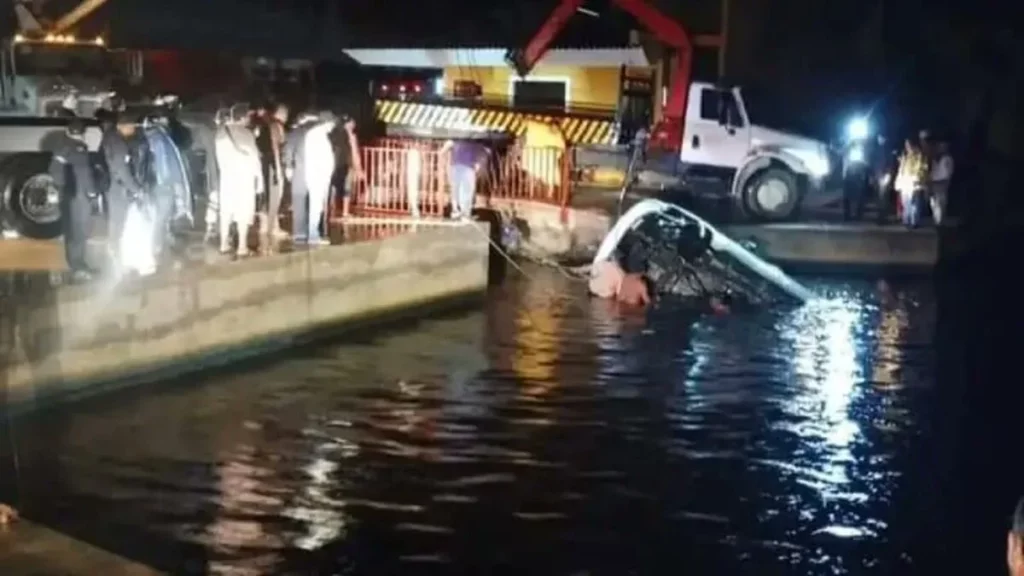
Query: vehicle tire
<point x="31" y="201"/>
<point x="771" y="195"/>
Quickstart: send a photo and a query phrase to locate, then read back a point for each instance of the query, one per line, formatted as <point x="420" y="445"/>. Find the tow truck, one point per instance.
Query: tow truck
<point x="705" y="142"/>
<point x="39" y="69"/>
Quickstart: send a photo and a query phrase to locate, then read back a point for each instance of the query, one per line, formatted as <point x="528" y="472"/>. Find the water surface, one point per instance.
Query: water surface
<point x="545" y="433"/>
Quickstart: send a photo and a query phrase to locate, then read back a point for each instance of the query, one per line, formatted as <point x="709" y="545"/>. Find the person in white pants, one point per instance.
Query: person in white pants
<point x="318" y="163"/>
<point x="241" y="179"/>
<point x="938" y="186"/>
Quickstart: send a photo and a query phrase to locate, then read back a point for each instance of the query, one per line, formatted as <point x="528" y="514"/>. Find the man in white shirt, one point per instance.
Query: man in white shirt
<point x="938" y="186"/>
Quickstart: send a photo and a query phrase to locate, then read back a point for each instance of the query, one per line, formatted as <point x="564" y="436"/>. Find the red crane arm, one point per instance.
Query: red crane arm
<point x="525" y="59"/>
<point x="668" y="134"/>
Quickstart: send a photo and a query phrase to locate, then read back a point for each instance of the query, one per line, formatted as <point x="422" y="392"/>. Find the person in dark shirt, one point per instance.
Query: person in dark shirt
<point x="124" y="184"/>
<point x="347" y="162"/>
<point x="72" y="174"/>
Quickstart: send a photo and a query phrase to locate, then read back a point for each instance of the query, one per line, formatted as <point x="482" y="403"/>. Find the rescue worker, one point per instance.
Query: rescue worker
<point x="910" y="182"/>
<point x="939" y="177"/>
<point x="348" y="167"/>
<point x="241" y="180"/>
<point x="72" y="174"/>
<point x="123" y="186"/>
<point x="318" y="168"/>
<point x="293" y="160"/>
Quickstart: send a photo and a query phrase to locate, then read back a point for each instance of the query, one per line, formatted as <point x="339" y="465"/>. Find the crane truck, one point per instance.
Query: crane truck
<point x="39" y="70"/>
<point x="705" y="141"/>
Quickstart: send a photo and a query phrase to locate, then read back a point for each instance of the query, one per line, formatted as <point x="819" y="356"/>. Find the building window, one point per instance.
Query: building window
<point x="543" y="93"/>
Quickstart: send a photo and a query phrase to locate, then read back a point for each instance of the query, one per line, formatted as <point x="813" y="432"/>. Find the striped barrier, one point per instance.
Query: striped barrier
<point x="577" y="130"/>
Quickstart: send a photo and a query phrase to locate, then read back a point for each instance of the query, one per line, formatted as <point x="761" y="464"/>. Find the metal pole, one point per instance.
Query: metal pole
<point x="724" y="34"/>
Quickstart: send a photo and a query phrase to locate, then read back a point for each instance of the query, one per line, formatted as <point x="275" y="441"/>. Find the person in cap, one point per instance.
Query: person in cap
<point x="123" y="184"/>
<point x="73" y="177"/>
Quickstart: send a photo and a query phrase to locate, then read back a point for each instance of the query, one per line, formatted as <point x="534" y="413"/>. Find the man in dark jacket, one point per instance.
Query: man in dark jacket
<point x="73" y="176"/>
<point x="124" y="185"/>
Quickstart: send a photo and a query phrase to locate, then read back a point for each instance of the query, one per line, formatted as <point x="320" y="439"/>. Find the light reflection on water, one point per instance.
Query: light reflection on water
<point x="548" y="433"/>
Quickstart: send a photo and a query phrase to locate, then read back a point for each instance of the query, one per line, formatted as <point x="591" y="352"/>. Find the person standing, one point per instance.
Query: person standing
<point x="467" y="159"/>
<point x="73" y="176"/>
<point x="348" y="167"/>
<point x="275" y="186"/>
<point x="318" y="164"/>
<point x="938" y="187"/>
<point x="910" y="182"/>
<point x="241" y="179"/>
<point x="124" y="186"/>
<point x="293" y="159"/>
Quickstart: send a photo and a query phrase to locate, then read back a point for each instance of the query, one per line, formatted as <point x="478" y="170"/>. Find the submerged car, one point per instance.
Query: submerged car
<point x="683" y="256"/>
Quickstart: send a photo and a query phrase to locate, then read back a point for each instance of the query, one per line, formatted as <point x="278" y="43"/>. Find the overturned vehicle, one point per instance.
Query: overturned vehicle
<point x="677" y="254"/>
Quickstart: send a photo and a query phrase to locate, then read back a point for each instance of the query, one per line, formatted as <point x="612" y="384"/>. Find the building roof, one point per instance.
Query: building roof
<point x="489" y="57"/>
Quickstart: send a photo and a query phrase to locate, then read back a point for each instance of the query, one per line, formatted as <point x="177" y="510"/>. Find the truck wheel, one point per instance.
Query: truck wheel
<point x="772" y="195"/>
<point x="32" y="200"/>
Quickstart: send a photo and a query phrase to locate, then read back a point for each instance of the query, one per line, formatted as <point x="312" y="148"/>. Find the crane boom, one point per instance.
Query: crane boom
<point x="76" y="15"/>
<point x="668" y="133"/>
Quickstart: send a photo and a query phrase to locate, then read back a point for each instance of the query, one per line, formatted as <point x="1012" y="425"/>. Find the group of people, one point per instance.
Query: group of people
<point x="265" y="154"/>
<point x="921" y="176"/>
<point x="146" y="181"/>
<point x="143" y="170"/>
<point x="924" y="171"/>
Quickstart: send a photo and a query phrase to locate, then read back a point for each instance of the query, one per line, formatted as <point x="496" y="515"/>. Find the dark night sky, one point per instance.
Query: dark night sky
<point x="807" y="63"/>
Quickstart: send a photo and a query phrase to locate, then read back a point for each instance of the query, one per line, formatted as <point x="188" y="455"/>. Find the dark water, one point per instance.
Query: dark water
<point x="546" y="433"/>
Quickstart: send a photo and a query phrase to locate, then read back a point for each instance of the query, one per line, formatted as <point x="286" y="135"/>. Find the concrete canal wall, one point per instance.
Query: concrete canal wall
<point x="80" y="340"/>
<point x="842" y="246"/>
<point x="574" y="234"/>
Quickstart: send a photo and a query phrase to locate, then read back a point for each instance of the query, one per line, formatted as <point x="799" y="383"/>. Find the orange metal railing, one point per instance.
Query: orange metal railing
<point x="410" y="177"/>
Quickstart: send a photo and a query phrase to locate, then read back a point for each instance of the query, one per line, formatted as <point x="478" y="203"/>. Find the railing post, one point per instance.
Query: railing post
<point x="565" y="185"/>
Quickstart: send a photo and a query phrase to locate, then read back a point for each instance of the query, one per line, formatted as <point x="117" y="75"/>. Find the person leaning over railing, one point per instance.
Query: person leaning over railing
<point x="466" y="159"/>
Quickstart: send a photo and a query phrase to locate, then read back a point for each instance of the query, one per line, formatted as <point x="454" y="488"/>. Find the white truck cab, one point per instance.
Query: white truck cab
<point x="37" y="74"/>
<point x="725" y="154"/>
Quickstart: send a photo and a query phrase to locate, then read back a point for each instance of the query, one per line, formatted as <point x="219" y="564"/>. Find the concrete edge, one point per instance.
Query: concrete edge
<point x="30" y="548"/>
<point x="53" y="395"/>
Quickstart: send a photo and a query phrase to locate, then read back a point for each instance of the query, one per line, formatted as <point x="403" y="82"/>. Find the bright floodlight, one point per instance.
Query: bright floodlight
<point x="856" y="154"/>
<point x="858" y="129"/>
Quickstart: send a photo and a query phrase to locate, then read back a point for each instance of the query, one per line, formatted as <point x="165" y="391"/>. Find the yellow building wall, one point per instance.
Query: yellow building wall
<point x="588" y="86"/>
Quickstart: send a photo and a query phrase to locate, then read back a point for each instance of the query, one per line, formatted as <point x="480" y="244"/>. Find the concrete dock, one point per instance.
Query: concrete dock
<point x="27" y="549"/>
<point x="840" y="245"/>
<point x="78" y="340"/>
